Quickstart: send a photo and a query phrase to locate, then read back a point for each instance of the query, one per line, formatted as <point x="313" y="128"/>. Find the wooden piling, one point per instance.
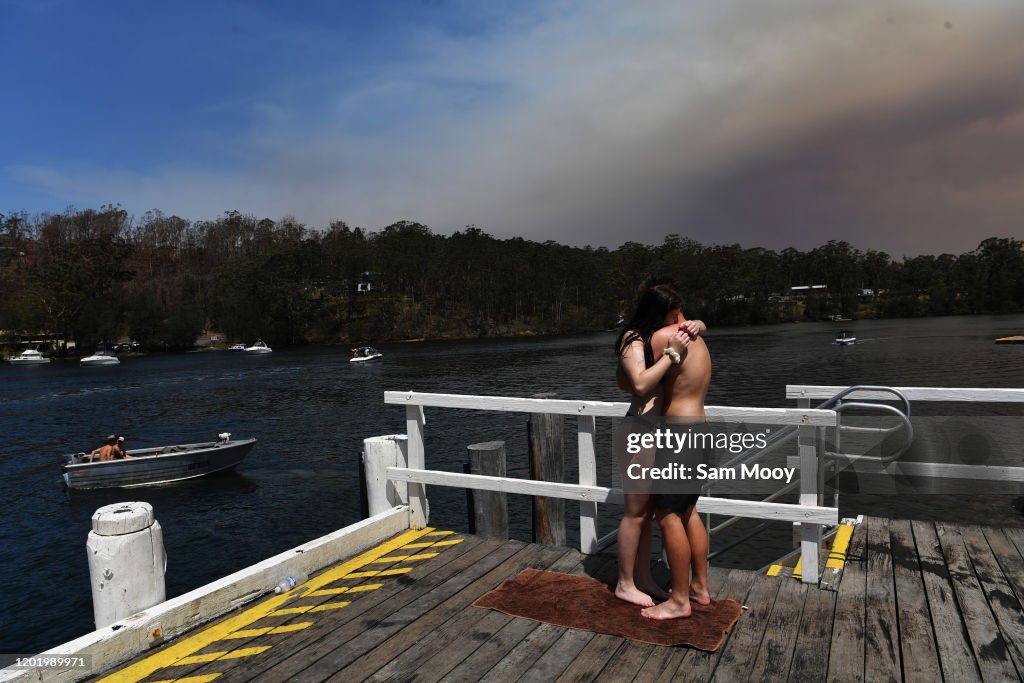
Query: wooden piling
<point x="488" y="510"/>
<point x="547" y="463"/>
<point x="379" y="453"/>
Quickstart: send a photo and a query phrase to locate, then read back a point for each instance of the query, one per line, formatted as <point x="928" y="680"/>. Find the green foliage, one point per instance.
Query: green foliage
<point x="94" y="275"/>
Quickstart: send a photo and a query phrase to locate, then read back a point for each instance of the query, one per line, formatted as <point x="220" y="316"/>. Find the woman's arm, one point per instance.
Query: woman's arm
<point x="635" y="377"/>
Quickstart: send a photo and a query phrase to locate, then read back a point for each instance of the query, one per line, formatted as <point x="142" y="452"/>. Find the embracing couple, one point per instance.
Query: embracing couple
<point x="665" y="365"/>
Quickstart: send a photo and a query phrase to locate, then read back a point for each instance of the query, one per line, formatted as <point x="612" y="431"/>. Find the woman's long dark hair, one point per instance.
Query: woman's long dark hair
<point x="655" y="302"/>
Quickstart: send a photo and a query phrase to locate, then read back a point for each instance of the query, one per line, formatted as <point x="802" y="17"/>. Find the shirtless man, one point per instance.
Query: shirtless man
<point x="686" y="539"/>
<point x="106" y="451"/>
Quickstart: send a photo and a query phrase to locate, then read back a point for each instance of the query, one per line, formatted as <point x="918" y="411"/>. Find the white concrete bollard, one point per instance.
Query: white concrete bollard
<point x="126" y="561"/>
<point x="379" y="453"/>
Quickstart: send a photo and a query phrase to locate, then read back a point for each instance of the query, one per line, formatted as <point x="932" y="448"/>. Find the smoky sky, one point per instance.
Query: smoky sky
<point x="896" y="126"/>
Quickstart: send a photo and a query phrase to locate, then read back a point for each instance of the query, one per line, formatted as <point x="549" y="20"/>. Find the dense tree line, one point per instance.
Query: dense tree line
<point x="94" y="275"/>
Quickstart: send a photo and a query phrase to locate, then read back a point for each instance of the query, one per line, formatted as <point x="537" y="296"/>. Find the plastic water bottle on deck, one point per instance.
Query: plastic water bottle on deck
<point x="290" y="582"/>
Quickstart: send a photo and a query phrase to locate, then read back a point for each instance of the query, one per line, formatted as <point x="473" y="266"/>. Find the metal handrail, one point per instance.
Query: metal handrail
<point x="883" y="460"/>
<point x="828" y="403"/>
<point x="834" y="403"/>
<point x="788" y="432"/>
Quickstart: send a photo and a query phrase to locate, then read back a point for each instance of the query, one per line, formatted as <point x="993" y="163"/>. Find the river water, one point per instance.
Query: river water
<point x="310" y="410"/>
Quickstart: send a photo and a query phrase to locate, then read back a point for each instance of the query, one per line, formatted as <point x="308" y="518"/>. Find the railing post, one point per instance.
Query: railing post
<point x="586" y="427"/>
<point x="547" y="463"/>
<point x="810" y="534"/>
<point x="489" y="509"/>
<point x="416" y="460"/>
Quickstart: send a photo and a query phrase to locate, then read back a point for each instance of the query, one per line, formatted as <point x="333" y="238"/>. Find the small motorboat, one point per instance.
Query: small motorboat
<point x="845" y="338"/>
<point x="363" y="354"/>
<point x="259" y="347"/>
<point x="29" y="357"/>
<point x="101" y="357"/>
<point x="149" y="466"/>
<point x="1016" y="339"/>
<point x="237" y="348"/>
<point x="839" y="319"/>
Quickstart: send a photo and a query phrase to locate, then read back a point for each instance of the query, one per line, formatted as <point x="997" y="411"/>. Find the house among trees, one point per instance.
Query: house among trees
<point x="368" y="282"/>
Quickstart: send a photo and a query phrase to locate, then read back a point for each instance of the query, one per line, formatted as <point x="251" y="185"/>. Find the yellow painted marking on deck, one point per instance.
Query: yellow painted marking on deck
<point x="347" y="589"/>
<point x="192" y="644"/>
<point x="379" y="572"/>
<point x="837" y="556"/>
<point x="213" y="656"/>
<point x="204" y="678"/>
<point x="309" y="608"/>
<point x="440" y="533"/>
<point x="432" y="544"/>
<point x="404" y="558"/>
<point x="269" y="630"/>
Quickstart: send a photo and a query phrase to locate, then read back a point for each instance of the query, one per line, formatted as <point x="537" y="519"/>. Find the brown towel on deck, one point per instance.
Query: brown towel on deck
<point x="584" y="603"/>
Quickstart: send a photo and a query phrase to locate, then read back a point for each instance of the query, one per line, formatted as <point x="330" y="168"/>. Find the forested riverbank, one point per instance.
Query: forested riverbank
<point x="101" y="274"/>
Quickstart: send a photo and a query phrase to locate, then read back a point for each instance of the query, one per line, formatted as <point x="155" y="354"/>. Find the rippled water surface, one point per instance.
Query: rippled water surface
<point x="310" y="410"/>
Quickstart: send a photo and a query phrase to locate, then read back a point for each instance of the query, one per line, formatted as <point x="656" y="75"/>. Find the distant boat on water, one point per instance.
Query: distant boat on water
<point x="29" y="357"/>
<point x="1016" y="339"/>
<point x="362" y="354"/>
<point x="845" y="339"/>
<point x="101" y="357"/>
<point x="259" y="347"/>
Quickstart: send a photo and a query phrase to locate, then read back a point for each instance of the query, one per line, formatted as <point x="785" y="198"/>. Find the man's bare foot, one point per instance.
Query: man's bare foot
<point x="653" y="589"/>
<point x="670" y="609"/>
<point x="633" y="595"/>
<point x="700" y="595"/>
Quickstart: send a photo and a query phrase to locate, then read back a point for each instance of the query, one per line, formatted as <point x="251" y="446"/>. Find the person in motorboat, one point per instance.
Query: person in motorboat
<point x="119" y="452"/>
<point x="106" y="451"/>
<point x="640" y="374"/>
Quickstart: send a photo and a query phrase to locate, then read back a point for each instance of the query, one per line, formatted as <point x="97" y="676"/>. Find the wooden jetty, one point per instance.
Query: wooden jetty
<point x="391" y="598"/>
<point x="917" y="601"/>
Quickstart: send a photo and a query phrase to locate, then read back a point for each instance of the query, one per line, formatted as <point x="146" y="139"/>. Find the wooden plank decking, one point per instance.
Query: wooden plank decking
<point x="917" y="601"/>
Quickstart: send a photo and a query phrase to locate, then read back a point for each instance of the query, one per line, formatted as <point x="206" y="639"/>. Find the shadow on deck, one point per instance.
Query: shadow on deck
<point x="917" y="601"/>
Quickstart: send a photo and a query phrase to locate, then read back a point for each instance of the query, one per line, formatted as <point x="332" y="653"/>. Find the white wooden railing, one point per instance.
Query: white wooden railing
<point x="810" y="514"/>
<point x="945" y="394"/>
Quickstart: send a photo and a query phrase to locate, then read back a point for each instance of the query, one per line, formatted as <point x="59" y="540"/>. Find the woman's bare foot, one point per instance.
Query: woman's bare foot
<point x="700" y="595"/>
<point x="653" y="589"/>
<point x="670" y="609"/>
<point x="633" y="595"/>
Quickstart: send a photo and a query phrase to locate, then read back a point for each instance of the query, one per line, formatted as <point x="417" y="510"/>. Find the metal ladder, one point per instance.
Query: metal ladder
<point x="832" y="459"/>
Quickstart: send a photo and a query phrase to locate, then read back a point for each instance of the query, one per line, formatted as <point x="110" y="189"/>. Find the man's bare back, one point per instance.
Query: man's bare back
<point x="686" y="541"/>
<point x="684" y="386"/>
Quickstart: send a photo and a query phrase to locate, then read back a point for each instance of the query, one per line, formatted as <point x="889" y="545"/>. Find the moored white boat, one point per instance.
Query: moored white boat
<point x="101" y="357"/>
<point x="29" y="357"/>
<point x="149" y="466"/>
<point x="363" y="354"/>
<point x="259" y="347"/>
<point x="237" y="348"/>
